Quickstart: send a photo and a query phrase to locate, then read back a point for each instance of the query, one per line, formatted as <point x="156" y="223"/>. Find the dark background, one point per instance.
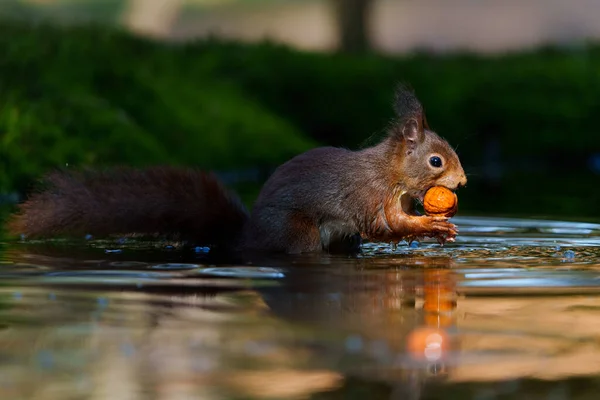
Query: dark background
<point x="82" y="85"/>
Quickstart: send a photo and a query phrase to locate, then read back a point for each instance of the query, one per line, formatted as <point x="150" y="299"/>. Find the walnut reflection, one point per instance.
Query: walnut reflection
<point x="407" y="309"/>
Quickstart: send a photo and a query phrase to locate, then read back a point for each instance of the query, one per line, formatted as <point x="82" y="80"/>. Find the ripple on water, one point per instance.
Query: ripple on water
<point x="243" y="272"/>
<point x="175" y="266"/>
<point x="521" y="300"/>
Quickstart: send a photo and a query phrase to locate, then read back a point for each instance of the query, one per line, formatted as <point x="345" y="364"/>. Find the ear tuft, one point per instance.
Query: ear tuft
<point x="406" y="103"/>
<point x="411" y="117"/>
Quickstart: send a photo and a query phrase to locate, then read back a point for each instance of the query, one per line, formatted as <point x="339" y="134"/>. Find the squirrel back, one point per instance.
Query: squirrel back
<point x="178" y="203"/>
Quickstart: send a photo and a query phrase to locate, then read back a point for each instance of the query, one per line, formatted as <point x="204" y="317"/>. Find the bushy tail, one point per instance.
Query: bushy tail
<point x="173" y="202"/>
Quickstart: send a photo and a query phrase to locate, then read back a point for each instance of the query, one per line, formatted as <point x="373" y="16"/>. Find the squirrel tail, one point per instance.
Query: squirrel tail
<point x="180" y="203"/>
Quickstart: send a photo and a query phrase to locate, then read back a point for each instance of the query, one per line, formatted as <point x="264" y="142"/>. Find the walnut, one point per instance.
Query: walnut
<point x="439" y="201"/>
<point x="427" y="343"/>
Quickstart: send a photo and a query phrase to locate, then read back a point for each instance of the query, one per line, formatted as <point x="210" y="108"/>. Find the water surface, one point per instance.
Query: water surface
<point x="511" y="310"/>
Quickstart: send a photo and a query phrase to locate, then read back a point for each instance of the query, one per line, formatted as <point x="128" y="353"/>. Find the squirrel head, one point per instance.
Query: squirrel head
<point x="422" y="158"/>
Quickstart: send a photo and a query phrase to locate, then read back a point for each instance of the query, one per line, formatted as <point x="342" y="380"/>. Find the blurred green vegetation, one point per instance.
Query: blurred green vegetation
<point x="93" y="96"/>
<point x="97" y="96"/>
<point x="539" y="102"/>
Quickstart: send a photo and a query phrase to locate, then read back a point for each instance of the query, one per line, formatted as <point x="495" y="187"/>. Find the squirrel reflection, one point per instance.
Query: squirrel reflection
<point x="401" y="318"/>
<point x="397" y="312"/>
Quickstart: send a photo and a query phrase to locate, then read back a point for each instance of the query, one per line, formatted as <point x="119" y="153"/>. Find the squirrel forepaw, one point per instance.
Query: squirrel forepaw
<point x="440" y="229"/>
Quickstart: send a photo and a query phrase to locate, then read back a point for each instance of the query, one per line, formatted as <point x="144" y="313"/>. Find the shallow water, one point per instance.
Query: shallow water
<point x="511" y="310"/>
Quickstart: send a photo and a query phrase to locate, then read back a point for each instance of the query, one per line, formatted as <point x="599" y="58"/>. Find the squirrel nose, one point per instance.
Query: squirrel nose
<point x="463" y="181"/>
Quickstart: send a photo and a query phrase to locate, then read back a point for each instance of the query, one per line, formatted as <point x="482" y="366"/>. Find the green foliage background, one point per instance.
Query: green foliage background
<point x="92" y="96"/>
<point x="98" y="96"/>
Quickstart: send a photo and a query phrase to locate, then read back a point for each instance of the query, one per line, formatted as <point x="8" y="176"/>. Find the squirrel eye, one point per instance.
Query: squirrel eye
<point x="435" y="161"/>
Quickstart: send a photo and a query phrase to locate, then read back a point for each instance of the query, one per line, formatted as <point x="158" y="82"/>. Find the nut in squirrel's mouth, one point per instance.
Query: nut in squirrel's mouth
<point x="410" y="201"/>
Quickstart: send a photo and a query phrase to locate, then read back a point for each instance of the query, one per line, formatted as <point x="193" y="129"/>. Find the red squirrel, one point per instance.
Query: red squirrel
<point x="327" y="199"/>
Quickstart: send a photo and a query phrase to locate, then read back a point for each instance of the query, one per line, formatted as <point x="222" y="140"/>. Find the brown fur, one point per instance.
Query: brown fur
<point x="327" y="198"/>
<point x="339" y="194"/>
<point x="180" y="203"/>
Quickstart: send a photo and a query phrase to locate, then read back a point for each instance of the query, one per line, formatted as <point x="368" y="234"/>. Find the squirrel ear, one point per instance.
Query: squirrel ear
<point x="412" y="133"/>
<point x="410" y="111"/>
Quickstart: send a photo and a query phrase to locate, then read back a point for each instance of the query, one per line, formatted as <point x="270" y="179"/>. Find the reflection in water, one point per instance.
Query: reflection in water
<point x="492" y="314"/>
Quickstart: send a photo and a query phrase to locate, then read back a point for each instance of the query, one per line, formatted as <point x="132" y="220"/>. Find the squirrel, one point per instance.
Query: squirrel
<point x="326" y="199"/>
